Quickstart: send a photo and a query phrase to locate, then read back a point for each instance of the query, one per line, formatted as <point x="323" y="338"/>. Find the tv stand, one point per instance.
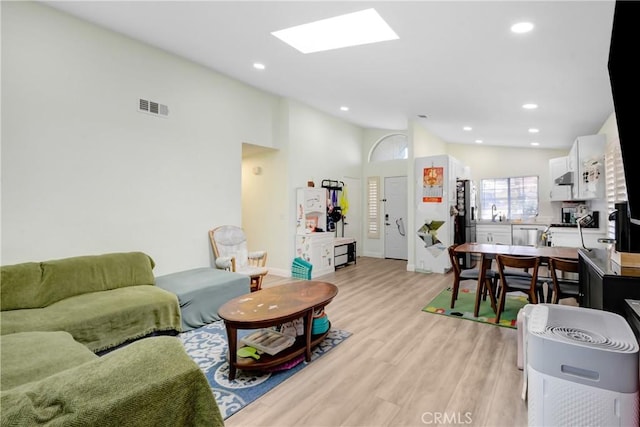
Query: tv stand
<point x="605" y="285"/>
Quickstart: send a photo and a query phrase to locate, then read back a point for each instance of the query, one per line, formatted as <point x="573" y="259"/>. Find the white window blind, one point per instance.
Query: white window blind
<point x="614" y="179"/>
<point x="373" y="207"/>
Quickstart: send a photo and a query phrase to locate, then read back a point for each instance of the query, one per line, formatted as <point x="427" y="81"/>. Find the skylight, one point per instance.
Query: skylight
<point x="352" y="29"/>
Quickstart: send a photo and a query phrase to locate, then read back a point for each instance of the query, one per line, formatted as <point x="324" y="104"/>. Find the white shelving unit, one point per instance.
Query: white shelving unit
<point x="316" y="247"/>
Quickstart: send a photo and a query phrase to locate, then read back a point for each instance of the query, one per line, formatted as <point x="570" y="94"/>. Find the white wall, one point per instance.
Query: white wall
<point x="320" y="147"/>
<point x="83" y="172"/>
<point x="265" y="207"/>
<point x="423" y="144"/>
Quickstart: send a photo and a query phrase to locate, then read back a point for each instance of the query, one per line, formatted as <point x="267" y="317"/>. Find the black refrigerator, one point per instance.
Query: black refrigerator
<point x="465" y="219"/>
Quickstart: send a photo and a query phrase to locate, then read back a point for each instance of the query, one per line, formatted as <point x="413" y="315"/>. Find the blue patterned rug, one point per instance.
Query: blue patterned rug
<point x="207" y="345"/>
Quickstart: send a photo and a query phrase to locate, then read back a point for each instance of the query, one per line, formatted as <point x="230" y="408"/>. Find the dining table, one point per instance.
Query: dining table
<point x="489" y="251"/>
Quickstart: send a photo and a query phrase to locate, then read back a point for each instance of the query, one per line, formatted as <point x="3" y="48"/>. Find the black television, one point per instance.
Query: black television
<point x="624" y="75"/>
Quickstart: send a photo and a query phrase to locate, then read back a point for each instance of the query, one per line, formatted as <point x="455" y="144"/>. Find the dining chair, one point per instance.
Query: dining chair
<point x="564" y="279"/>
<point x="229" y="245"/>
<point x="461" y="275"/>
<point x="513" y="283"/>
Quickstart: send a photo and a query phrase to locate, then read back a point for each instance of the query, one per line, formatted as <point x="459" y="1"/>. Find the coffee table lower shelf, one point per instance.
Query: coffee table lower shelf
<point x="267" y="361"/>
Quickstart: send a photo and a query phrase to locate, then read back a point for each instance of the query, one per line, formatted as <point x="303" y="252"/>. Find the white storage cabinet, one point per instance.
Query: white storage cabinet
<point x="316" y="248"/>
<point x="586" y="161"/>
<point x="494" y="234"/>
<point x="311" y="209"/>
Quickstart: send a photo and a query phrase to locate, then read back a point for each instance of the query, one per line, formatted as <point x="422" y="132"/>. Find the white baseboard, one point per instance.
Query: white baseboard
<point x="373" y="254"/>
<point x="280" y="272"/>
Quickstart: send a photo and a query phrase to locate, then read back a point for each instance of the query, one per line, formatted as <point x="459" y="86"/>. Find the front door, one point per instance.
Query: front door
<point x="395" y="218"/>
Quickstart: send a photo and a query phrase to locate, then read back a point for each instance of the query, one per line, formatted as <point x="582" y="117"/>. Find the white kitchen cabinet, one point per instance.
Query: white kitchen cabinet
<point x="318" y="249"/>
<point x="493" y="233"/>
<point x="570" y="237"/>
<point x="586" y="161"/>
<point x="558" y="166"/>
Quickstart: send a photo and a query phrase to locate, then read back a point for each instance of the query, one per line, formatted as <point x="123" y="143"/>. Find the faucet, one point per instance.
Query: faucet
<point x="494" y="213"/>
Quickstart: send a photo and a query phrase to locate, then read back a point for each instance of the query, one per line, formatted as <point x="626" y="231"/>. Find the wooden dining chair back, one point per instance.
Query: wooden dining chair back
<point x="461" y="275"/>
<point x="512" y="283"/>
<point x="564" y="279"/>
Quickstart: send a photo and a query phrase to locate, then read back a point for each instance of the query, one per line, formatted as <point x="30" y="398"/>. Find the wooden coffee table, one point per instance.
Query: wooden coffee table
<point x="270" y="307"/>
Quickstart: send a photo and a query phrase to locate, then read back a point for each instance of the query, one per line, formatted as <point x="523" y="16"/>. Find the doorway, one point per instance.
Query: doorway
<point x="395" y="218"/>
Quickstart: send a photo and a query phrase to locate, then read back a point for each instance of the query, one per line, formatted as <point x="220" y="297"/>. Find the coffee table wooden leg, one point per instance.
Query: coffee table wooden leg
<point x="232" y="337"/>
<point x="308" y="323"/>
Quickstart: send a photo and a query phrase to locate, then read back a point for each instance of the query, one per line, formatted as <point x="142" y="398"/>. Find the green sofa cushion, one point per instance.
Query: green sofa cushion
<point x="23" y="286"/>
<point x="151" y="382"/>
<point x="20" y="286"/>
<point x="32" y="356"/>
<point x="101" y="320"/>
<point x="74" y="276"/>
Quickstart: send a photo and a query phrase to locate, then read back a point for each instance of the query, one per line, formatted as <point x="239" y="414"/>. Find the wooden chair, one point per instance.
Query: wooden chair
<point x="229" y="245"/>
<point x="510" y="283"/>
<point x="565" y="284"/>
<point x="471" y="274"/>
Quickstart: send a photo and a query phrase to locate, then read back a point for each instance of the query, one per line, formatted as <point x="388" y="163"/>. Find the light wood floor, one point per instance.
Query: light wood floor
<point x="401" y="366"/>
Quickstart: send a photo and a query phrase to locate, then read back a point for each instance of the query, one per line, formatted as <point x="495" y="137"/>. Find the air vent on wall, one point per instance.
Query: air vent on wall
<point x="151" y="107"/>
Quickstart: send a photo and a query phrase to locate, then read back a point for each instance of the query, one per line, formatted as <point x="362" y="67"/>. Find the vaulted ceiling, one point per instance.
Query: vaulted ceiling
<point x="455" y="62"/>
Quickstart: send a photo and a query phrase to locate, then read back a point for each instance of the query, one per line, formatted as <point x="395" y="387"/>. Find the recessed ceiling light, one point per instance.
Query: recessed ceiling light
<point x="258" y="66"/>
<point x="467" y="128"/>
<point x="352" y="29"/>
<point x="522" y="27"/>
<point x="534" y="130"/>
<point x="530" y="106"/>
<point x="478" y="141"/>
<point x="535" y="144"/>
<point x="343" y="108"/>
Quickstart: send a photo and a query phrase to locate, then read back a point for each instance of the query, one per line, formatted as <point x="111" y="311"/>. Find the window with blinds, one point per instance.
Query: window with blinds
<point x="513" y="197"/>
<point x="614" y="179"/>
<point x="373" y="207"/>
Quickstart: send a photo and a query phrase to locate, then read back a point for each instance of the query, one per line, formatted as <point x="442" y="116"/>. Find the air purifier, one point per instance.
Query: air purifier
<point x="582" y="367"/>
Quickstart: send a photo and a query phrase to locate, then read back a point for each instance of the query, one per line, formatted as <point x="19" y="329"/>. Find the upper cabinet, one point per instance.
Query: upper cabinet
<point x="580" y="175"/>
<point x="586" y="161"/>
<point x="560" y="188"/>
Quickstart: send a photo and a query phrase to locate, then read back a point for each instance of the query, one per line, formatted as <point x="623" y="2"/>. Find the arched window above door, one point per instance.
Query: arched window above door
<point x="394" y="146"/>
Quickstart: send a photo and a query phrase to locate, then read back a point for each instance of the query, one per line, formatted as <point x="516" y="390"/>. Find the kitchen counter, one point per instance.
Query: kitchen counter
<point x="529" y="222"/>
<point x="574" y="230"/>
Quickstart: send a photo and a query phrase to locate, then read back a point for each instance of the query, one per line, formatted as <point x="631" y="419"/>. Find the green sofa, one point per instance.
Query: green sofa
<point x="103" y="301"/>
<point x="48" y="378"/>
